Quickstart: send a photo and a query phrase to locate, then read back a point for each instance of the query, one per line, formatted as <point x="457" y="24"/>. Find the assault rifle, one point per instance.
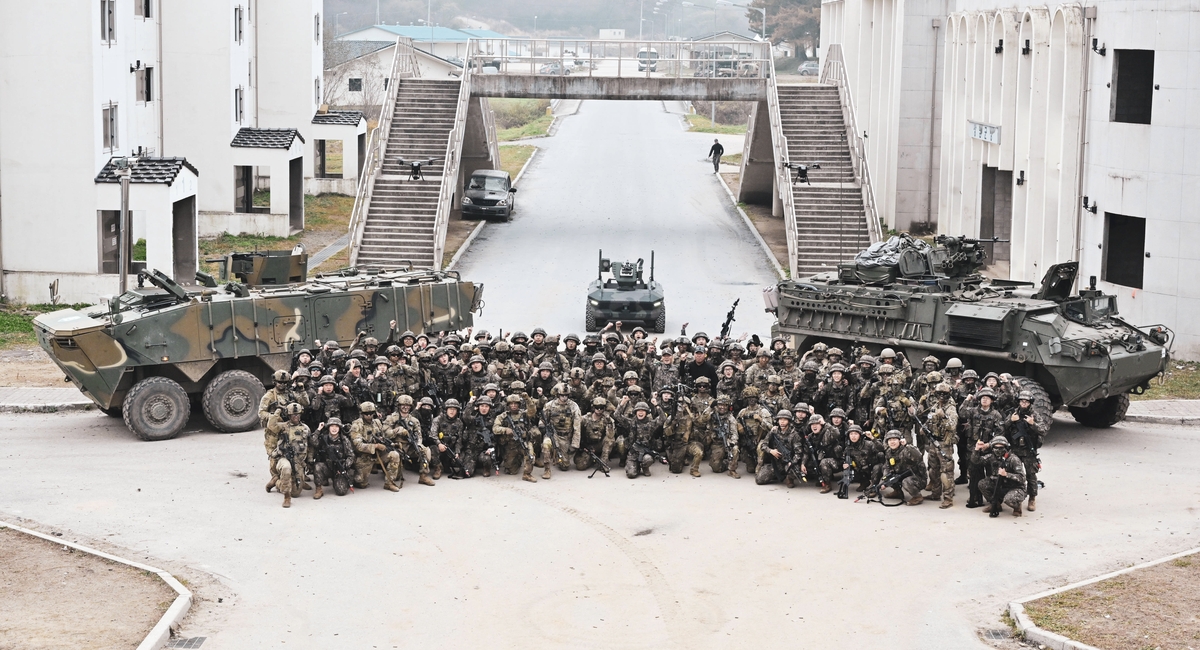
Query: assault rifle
<point x="790" y="455"/>
<point x="334" y="458"/>
<point x="723" y="434"/>
<point x="381" y="439"/>
<point x="728" y="320"/>
<point x="519" y="438"/>
<point x="430" y="390"/>
<point x="843" y="491"/>
<point x="644" y="449"/>
<point x="486" y="434"/>
<point x="286" y="450"/>
<point x="892" y="481"/>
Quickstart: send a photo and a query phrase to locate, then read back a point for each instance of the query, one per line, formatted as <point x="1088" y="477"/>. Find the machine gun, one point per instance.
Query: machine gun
<point x="381" y="439"/>
<point x="644" y="449"/>
<point x="430" y="390"/>
<point x="485" y="434"/>
<point x="601" y="466"/>
<point x="892" y="481"/>
<point x="789" y="469"/>
<point x="519" y="438"/>
<point x="728" y="320"/>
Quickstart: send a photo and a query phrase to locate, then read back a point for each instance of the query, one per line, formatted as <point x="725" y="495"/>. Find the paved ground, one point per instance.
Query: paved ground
<point x="669" y="561"/>
<point x="624" y="177"/>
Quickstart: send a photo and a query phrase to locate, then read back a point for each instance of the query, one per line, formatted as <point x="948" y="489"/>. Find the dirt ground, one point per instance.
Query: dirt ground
<point x="1154" y="608"/>
<point x="29" y="367"/>
<point x="770" y="228"/>
<point x="52" y="596"/>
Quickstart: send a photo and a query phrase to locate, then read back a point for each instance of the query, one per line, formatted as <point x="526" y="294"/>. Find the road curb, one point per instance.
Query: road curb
<point x="1054" y="641"/>
<point x="483" y="222"/>
<point x="161" y="632"/>
<point x="47" y="408"/>
<point x="754" y="231"/>
<point x="1183" y="420"/>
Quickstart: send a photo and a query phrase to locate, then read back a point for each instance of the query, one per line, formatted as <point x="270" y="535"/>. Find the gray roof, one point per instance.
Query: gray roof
<point x="347" y="118"/>
<point x="265" y="138"/>
<point x="340" y="52"/>
<point x="146" y="170"/>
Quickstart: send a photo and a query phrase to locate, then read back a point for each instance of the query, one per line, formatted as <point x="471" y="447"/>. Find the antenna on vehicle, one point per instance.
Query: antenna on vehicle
<point x="600" y="265"/>
<point x="652" y="266"/>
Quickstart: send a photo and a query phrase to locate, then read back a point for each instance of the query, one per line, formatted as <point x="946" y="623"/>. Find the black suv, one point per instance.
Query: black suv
<point x="489" y="193"/>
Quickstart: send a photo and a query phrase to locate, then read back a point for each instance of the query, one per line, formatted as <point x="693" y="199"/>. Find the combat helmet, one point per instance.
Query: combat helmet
<point x="334" y="422"/>
<point x="784" y="414"/>
<point x="451" y="404"/>
<point x="281" y="376"/>
<point x="893" y="433"/>
<point x="366" y="407"/>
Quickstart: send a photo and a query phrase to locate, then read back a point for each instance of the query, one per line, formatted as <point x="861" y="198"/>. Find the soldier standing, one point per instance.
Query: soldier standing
<point x="279" y="396"/>
<point x="1025" y="433"/>
<point x="678" y="423"/>
<point x="479" y="448"/>
<point x="826" y="441"/>
<point x="561" y="421"/>
<point x="446" y="433"/>
<point x="406" y="430"/>
<point x="942" y="419"/>
<point x="779" y="452"/>
<point x="722" y="453"/>
<point x="894" y="409"/>
<point x="289" y="454"/>
<point x="597" y="433"/>
<point x="755" y="422"/>
<point x="983" y="424"/>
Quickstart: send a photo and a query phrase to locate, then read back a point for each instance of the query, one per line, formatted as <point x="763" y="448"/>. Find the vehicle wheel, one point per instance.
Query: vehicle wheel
<point x="156" y="408"/>
<point x="1101" y="414"/>
<point x="589" y="320"/>
<point x="114" y="412"/>
<point x="231" y="401"/>
<point x="341" y="485"/>
<point x="660" y="323"/>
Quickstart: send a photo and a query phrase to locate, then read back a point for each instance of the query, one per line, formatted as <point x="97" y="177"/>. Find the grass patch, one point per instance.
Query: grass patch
<point x="701" y="124"/>
<point x="16" y="322"/>
<point x="535" y="129"/>
<point x="262" y="198"/>
<point x="322" y="213"/>
<point x="327" y="211"/>
<point x="139" y="250"/>
<point x="1180" y="381"/>
<point x="514" y="157"/>
<point x="733" y="159"/>
<point x="339" y="260"/>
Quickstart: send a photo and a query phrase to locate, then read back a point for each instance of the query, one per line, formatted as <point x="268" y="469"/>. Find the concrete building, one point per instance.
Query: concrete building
<point x="359" y="82"/>
<point x="442" y="42"/>
<point x="1037" y="109"/>
<point x="169" y="85"/>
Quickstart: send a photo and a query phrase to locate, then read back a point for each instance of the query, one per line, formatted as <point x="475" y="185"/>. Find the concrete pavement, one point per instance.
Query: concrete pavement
<point x="668" y="561"/>
<point x="622" y="177"/>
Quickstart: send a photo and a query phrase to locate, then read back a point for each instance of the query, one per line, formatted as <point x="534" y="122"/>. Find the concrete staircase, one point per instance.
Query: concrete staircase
<point x="831" y="224"/>
<point x="400" y="217"/>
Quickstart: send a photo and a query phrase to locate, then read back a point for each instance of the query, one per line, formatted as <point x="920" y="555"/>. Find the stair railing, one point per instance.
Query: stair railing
<point x="453" y="158"/>
<point x="404" y="65"/>
<point x="834" y="72"/>
<point x="783" y="179"/>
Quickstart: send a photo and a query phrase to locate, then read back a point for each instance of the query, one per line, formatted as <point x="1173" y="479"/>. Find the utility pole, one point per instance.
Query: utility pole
<point x="641" y="17"/>
<point x="377" y="12"/>
<point x="124" y="249"/>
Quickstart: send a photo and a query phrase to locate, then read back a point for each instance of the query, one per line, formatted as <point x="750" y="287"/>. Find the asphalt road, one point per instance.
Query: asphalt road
<point x="623" y="177"/>
<point x="668" y="561"/>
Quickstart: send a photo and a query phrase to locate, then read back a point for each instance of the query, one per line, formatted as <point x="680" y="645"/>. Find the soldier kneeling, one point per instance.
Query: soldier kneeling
<point x="367" y="435"/>
<point x="1004" y="472"/>
<point x="335" y="457"/>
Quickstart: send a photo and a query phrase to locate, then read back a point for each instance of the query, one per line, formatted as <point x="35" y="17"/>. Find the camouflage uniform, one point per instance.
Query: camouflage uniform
<point x="757" y="374"/>
<point x="1025" y="439"/>
<point x="720" y="421"/>
<point x="561" y="421"/>
<point x="448" y="432"/>
<point x="293" y="441"/>
<point x="277" y="398"/>
<point x="403" y="429"/>
<point x="981" y="426"/>
<point x="640" y="440"/>
<point x="754" y="422"/>
<point x="367" y="433"/>
<point x="784" y="441"/>
<point x="892" y="409"/>
<point x="773" y="399"/>
<point x="478" y="449"/>
<point x="517" y="455"/>
<point x="906" y="458"/>
<point x="332" y="455"/>
<point x="994" y="459"/>
<point x="598" y="433"/>
<point x="866" y="458"/>
<point x="678" y="425"/>
<point x="941" y="416"/>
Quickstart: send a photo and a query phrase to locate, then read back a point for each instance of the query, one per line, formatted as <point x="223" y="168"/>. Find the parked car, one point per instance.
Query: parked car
<point x="554" y="67"/>
<point x="809" y="69"/>
<point x="489" y="193"/>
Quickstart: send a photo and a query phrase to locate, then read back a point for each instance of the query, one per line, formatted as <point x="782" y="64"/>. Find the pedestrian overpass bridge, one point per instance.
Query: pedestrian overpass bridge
<point x="449" y="127"/>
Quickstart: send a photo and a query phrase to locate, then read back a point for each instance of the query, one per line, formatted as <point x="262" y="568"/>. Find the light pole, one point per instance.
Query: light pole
<point x="376" y="12"/>
<point x="124" y="247"/>
<point x="641" y="17"/>
<point x="761" y="10"/>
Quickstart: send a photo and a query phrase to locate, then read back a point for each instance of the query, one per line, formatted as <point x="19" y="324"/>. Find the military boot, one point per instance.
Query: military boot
<point x="546" y="473"/>
<point x="437" y="472"/>
<point x="1032" y="504"/>
<point x="528" y="477"/>
<point x="916" y="501"/>
<point x="320" y="492"/>
<point x="947" y="503"/>
<point x="271" y="483"/>
<point x="390" y="487"/>
<point x="287" y="499"/>
<point x="304" y="485"/>
<point x="425" y="480"/>
<point x="695" y="472"/>
<point x="734" y="473"/>
<point x="1017" y="510"/>
<point x="826" y="488"/>
<point x="961" y="480"/>
<point x="789" y="482"/>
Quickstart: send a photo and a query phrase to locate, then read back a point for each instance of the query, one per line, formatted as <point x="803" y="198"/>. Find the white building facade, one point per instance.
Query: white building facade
<point x="1044" y="106"/>
<point x="166" y="84"/>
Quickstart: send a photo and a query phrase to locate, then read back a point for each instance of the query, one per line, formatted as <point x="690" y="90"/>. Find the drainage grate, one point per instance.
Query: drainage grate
<point x="996" y="635"/>
<point x="194" y="642"/>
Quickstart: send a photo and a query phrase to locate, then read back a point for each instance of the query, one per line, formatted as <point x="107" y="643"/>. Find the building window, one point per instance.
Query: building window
<point x="145" y="84"/>
<point x="1124" y="250"/>
<point x="108" y="116"/>
<point x="142" y="8"/>
<point x="239" y="104"/>
<point x="385" y="80"/>
<point x="356" y="85"/>
<point x="110" y="240"/>
<point x="316" y="91"/>
<point x="317" y="27"/>
<point x="238" y="20"/>
<point x="108" y="21"/>
<point x="1132" y="86"/>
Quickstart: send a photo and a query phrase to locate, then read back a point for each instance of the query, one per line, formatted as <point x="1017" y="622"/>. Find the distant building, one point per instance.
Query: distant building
<point x="612" y="35"/>
<point x="1011" y="117"/>
<point x="360" y="81"/>
<point x="443" y="42"/>
<point x="199" y="96"/>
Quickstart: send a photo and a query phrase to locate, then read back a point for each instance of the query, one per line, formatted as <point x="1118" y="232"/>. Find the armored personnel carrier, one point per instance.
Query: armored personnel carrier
<point x="148" y="353"/>
<point x="619" y="293"/>
<point x="924" y="299"/>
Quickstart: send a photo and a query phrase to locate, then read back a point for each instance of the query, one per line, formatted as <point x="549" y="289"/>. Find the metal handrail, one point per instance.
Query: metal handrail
<point x="450" y="167"/>
<point x="404" y="65"/>
<point x="834" y="71"/>
<point x="783" y="181"/>
<point x="618" y="58"/>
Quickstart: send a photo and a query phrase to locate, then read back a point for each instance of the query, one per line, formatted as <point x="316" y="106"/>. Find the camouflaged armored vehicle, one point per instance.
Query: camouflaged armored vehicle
<point x="619" y="293"/>
<point x="924" y="299"/>
<point x="147" y="354"/>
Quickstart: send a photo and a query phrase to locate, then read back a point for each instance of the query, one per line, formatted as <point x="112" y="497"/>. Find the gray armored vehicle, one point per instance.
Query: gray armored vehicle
<point x="619" y="293"/>
<point x="923" y="299"/>
<point x="148" y="353"/>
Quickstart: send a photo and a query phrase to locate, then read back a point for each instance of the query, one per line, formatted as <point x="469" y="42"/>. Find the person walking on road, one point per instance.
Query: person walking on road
<point x="715" y="153"/>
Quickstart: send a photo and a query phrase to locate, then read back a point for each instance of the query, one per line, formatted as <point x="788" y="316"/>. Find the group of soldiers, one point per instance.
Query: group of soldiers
<point x="459" y="406"/>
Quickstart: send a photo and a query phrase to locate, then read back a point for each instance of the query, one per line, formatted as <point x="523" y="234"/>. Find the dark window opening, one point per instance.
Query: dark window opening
<point x="238" y="18"/>
<point x="1124" y="250"/>
<point x="142" y="8"/>
<point x="1132" y="86"/>
<point x="145" y="84"/>
<point x="356" y="85"/>
<point x="108" y="20"/>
